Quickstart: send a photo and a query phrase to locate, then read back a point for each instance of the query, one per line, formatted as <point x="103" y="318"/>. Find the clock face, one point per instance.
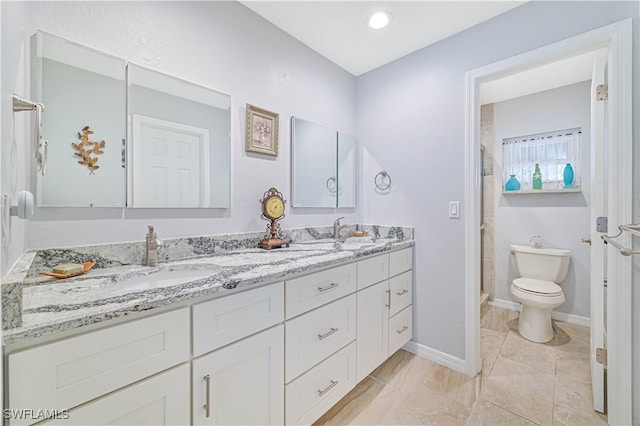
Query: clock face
<point x="274" y="207"/>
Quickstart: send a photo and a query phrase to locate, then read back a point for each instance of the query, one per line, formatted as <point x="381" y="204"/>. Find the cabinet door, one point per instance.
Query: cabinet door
<point x="160" y="400"/>
<point x="372" y="328"/>
<point x="241" y="384"/>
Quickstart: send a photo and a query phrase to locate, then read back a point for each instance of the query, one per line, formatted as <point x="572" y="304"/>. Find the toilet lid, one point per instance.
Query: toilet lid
<point x="530" y="285"/>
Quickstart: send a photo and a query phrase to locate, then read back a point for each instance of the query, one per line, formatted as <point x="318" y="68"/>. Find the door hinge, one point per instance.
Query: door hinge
<point x="602" y="92"/>
<point x="601" y="356"/>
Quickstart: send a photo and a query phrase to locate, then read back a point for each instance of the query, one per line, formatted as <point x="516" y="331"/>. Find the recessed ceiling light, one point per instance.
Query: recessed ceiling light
<point x="379" y="19"/>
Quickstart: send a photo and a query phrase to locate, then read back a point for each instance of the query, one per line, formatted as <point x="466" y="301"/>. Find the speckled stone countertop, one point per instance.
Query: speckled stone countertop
<point x="190" y="268"/>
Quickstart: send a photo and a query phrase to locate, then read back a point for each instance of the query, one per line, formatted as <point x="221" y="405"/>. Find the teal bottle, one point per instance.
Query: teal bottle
<point x="512" y="184"/>
<point x="537" y="178"/>
<point x="567" y="176"/>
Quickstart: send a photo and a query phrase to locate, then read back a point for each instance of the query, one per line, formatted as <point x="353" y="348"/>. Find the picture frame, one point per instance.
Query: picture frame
<point x="262" y="131"/>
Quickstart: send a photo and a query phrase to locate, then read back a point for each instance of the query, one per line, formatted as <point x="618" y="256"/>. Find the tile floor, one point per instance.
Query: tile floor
<point x="522" y="383"/>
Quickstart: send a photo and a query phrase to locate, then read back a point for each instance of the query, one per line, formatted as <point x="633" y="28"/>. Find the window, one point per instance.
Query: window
<point x="552" y="151"/>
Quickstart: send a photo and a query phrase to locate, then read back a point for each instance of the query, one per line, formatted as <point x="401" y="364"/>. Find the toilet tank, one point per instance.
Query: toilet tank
<point x="547" y="264"/>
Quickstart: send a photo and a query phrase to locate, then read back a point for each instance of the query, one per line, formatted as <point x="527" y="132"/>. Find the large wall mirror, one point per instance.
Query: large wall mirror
<point x="180" y="148"/>
<point x="84" y="95"/>
<point x="123" y="135"/>
<point x="323" y="166"/>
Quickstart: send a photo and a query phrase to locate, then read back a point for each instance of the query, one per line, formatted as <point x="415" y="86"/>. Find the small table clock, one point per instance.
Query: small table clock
<point x="272" y="211"/>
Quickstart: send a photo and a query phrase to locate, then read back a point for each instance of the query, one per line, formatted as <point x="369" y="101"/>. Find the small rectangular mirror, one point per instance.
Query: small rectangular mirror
<point x="84" y="95"/>
<point x="323" y="166"/>
<point x="179" y="152"/>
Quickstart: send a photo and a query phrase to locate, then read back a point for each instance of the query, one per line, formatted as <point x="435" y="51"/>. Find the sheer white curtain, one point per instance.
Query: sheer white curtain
<point x="552" y="151"/>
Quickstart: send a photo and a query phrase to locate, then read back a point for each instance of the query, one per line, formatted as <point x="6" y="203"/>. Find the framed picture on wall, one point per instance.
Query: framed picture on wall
<point x="262" y="131"/>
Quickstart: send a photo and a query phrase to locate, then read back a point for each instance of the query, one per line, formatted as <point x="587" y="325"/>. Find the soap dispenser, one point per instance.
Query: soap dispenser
<point x="152" y="243"/>
<point x="537" y="178"/>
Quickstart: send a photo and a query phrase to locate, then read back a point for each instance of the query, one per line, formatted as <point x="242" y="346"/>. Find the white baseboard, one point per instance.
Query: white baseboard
<point x="434" y="355"/>
<point x="558" y="316"/>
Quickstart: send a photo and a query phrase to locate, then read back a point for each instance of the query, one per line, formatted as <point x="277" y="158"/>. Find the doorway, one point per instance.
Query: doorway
<point x="616" y="39"/>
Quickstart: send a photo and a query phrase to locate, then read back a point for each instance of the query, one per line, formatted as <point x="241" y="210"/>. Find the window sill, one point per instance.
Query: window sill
<point x="542" y="191"/>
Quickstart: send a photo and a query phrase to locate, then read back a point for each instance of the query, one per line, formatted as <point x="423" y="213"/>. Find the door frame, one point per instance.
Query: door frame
<point x="616" y="39"/>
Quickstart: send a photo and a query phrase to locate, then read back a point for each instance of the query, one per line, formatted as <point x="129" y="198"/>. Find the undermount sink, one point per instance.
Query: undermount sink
<point x="163" y="279"/>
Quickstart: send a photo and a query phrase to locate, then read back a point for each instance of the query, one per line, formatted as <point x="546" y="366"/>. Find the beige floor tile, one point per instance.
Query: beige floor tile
<point x="427" y="407"/>
<point x="352" y="404"/>
<point x="518" y="388"/>
<point x="495" y="318"/>
<point x="486" y="413"/>
<point x="393" y="366"/>
<point x="573" y="366"/>
<point x="410" y="375"/>
<point x="452" y="384"/>
<point x="568" y="416"/>
<point x="540" y="357"/>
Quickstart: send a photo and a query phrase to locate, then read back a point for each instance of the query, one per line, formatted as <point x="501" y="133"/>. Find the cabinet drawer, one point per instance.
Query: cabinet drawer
<point x="313" y="393"/>
<point x="158" y="400"/>
<point x="400" y="261"/>
<point x="69" y="372"/>
<point x="306" y="293"/>
<point x="401" y="287"/>
<point x="312" y="337"/>
<point x="225" y="320"/>
<point x="374" y="270"/>
<point x="400" y="329"/>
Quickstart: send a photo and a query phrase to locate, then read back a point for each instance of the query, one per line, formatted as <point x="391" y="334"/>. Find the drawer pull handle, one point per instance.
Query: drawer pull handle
<point x="404" y="291"/>
<point x="327" y="334"/>
<point x="328" y="388"/>
<point x="388" y="305"/>
<point x="207" y="402"/>
<point x="329" y="287"/>
<point x="403" y="329"/>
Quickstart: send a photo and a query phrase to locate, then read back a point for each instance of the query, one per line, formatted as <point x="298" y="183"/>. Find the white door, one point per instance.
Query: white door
<point x="171" y="164"/>
<point x="598" y="209"/>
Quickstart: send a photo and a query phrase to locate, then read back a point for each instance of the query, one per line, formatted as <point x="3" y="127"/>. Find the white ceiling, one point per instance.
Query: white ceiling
<point x="338" y="30"/>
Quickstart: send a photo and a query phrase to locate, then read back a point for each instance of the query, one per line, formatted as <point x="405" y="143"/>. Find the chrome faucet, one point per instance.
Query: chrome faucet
<point x="152" y="244"/>
<point x="337" y="228"/>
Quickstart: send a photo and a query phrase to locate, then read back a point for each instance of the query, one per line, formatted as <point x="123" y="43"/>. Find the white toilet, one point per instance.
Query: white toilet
<point x="540" y="271"/>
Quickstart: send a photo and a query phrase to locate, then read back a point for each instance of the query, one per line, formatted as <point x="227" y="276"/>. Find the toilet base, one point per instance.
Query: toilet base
<point x="535" y="324"/>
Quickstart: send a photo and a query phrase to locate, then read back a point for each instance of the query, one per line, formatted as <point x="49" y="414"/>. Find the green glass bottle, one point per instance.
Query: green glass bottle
<point x="537" y="178"/>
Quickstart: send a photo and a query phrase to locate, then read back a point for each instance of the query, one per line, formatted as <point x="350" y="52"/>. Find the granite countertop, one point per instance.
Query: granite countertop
<point x="115" y="289"/>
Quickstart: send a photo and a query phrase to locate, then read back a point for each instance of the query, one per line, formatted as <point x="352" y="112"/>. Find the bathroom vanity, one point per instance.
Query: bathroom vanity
<point x="255" y="337"/>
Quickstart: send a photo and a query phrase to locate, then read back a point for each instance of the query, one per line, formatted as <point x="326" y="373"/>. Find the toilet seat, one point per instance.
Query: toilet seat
<point x="537" y="287"/>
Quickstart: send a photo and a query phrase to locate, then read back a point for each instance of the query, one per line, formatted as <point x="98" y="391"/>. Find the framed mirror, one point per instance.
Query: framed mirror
<point x="179" y="151"/>
<point x="84" y="94"/>
<point x="323" y="166"/>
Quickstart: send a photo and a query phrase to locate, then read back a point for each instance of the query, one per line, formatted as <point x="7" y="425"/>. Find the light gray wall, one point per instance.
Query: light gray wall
<point x="222" y="45"/>
<point x="561" y="219"/>
<point x="411" y="118"/>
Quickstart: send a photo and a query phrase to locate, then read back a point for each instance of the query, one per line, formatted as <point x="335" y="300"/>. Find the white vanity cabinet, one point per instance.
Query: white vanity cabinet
<point x="384" y="320"/>
<point x="242" y="380"/>
<point x="159" y="400"/>
<point x="71" y="372"/>
<point x="242" y="383"/>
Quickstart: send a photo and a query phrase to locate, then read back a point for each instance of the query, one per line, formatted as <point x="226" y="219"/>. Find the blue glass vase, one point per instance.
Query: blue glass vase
<point x="512" y="184"/>
<point x="567" y="176"/>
